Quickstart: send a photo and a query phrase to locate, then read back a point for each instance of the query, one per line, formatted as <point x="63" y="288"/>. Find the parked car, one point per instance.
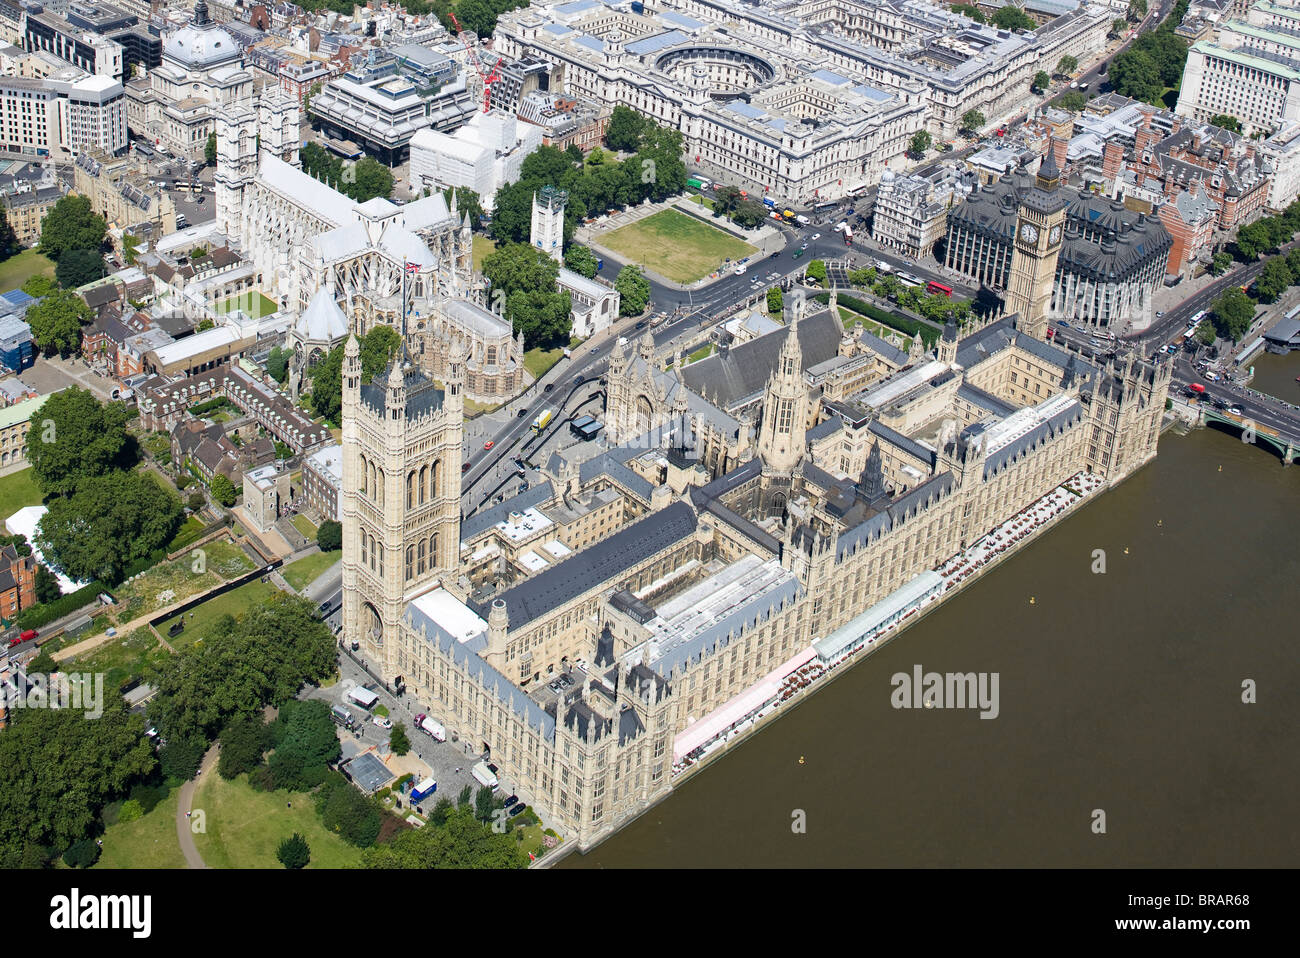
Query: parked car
<point x="517" y="810"/>
<point x="382" y="721"/>
<point x="510" y="801"/>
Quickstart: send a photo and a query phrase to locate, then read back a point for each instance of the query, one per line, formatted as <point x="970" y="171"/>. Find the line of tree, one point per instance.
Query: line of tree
<point x="1266" y="234"/>
<point x="653" y="171"/>
<point x="524" y="292"/>
<point x="363" y="180"/>
<point x="1154" y="62"/>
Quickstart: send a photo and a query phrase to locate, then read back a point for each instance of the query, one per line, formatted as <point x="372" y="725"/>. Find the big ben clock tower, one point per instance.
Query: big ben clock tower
<point x="1039" y="225"/>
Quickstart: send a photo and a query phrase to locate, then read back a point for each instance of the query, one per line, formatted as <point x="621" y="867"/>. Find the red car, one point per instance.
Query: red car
<point x="488" y="445"/>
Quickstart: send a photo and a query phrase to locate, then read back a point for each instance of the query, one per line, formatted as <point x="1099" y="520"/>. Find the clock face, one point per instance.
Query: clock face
<point x="1029" y="233"/>
<point x="1055" y="235"/>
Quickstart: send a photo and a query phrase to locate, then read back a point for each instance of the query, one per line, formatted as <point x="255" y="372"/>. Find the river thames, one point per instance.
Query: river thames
<point x="1120" y="695"/>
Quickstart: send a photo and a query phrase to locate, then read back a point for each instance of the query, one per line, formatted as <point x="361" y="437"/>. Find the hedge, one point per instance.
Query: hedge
<point x="912" y="327"/>
<point x="209" y="405"/>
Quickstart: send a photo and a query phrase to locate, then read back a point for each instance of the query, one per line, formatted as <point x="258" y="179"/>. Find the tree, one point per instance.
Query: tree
<point x="263" y="658"/>
<point x="71" y="224"/>
<point x="1136" y="74"/>
<point x="775" y="300"/>
<point x="243" y="741"/>
<point x="345" y="811"/>
<point x="1252" y="239"/>
<point x="398" y="741"/>
<point x="1137" y="9"/>
<point x="1205" y="334"/>
<point x="210" y="150"/>
<point x="968" y="10"/>
<point x="483" y="804"/>
<point x="180" y="758"/>
<point x="1225" y="122"/>
<point x="1232" y="314"/>
<point x="816" y="270"/>
<point x="465" y="796"/>
<point x="77" y="437"/>
<point x="1073" y="101"/>
<point x="327" y="386"/>
<point x="9" y="244"/>
<point x="524" y="290"/>
<point x="205" y="325"/>
<point x="468" y="203"/>
<point x="293" y="852"/>
<point x="625" y="128"/>
<point x="196" y="501"/>
<point x="56" y="322"/>
<point x="1274" y="279"/>
<point x="58" y="770"/>
<point x="1041" y="81"/>
<point x="460" y="842"/>
<point x="308" y="96"/>
<point x="369" y="178"/>
<point x="82" y="854"/>
<point x="580" y="259"/>
<point x="633" y="289"/>
<point x="919" y="143"/>
<point x="223" y="490"/>
<point x="972" y="120"/>
<point x="109" y="522"/>
<point x="47" y="585"/>
<point x="329" y="536"/>
<point x="1220" y="262"/>
<point x="305" y="744"/>
<point x="378" y="347"/>
<point x="1118" y="26"/>
<point x="1066" y="65"/>
<point x="38" y="286"/>
<point x="277" y="364"/>
<point x="77" y="267"/>
<point x="512" y="214"/>
<point x="1013" y="18"/>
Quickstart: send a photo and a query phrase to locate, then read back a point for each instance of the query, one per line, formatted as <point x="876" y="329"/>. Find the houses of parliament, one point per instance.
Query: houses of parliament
<point x="724" y="527"/>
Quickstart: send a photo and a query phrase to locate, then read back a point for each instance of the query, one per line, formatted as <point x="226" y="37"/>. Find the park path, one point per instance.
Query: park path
<point x="183" y="834"/>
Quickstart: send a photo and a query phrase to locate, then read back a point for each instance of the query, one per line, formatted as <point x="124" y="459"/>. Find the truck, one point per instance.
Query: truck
<point x="788" y="214"/>
<point x="484" y="776"/>
<point x="769" y="202"/>
<point x="543" y="420"/>
<point x="848" y="235"/>
<point x="802" y="220"/>
<point x="422" y="791"/>
<point x="363" y="697"/>
<point x="428" y="725"/>
<point x="698" y="183"/>
<point x="341" y="716"/>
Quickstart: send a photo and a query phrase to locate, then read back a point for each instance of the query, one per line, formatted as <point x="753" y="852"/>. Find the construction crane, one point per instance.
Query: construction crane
<point x="486" y="77"/>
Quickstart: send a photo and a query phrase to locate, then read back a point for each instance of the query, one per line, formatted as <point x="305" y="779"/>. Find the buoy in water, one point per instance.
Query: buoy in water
<point x="800" y="759"/>
<point x="1031" y="600"/>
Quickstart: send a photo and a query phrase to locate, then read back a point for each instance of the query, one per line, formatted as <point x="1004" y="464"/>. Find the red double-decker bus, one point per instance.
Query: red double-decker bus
<point x="933" y="287"/>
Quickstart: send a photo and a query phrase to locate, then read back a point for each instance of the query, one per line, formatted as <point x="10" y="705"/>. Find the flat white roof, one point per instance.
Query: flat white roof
<point x="531" y="561"/>
<point x="24" y="523"/>
<point x="183" y="349"/>
<point x="897" y="386"/>
<point x="452" y="615"/>
<point x="524" y="525"/>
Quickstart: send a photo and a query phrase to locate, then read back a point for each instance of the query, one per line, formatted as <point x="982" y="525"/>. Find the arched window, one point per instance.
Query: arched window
<point x="433" y="551"/>
<point x="410" y="562"/>
<point x="420" y="565"/>
<point x="372" y="486"/>
<point x="364" y="552"/>
<point x="435" y="480"/>
<point x="372" y="553"/>
<point x="379" y="486"/>
<point x="491" y="355"/>
<point x="410" y="489"/>
<point x="424" y="484"/>
<point x="362" y="490"/>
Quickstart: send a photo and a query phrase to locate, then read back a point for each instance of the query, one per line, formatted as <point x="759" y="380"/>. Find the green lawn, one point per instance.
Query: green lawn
<point x="244" y="827"/>
<point x="304" y="525"/>
<point x="124" y="657"/>
<point x="147" y="842"/>
<point x="17" y="270"/>
<point x="199" y="622"/>
<point x="18" y="489"/>
<point x="852" y="319"/>
<point x="703" y="352"/>
<point x="537" y="360"/>
<point x="251" y="302"/>
<point x="701" y="200"/>
<point x="303" y="572"/>
<point x="482" y="248"/>
<point x="676" y="246"/>
<point x="190" y="530"/>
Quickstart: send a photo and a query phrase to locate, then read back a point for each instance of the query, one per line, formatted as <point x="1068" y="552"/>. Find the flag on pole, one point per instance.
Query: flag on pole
<point x="412" y="267"/>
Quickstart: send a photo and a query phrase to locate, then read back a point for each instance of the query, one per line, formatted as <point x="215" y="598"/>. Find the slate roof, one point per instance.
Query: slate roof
<point x="987" y="401"/>
<point x="742" y="372"/>
<point x="485" y="519"/>
<point x="605" y="464"/>
<point x="604" y="561"/>
<point x="897" y="439"/>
